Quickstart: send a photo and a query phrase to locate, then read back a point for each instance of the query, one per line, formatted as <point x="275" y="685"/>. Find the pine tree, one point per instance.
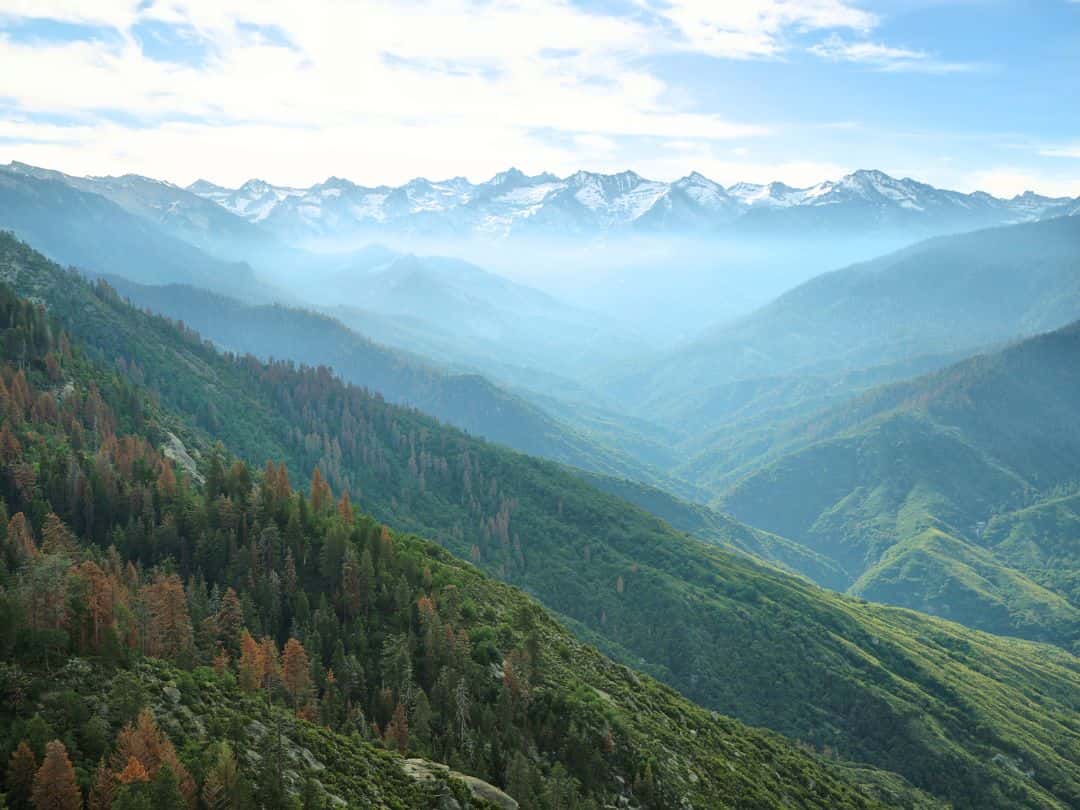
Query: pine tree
<point x="55" y="787"/>
<point x="230" y="622"/>
<point x="20" y="538"/>
<point x="134" y="773"/>
<point x="367" y="580"/>
<point x="145" y="743"/>
<point x="103" y="789"/>
<point x="296" y="672"/>
<point x="169" y="634"/>
<point x="222" y="781"/>
<point x="397" y="731"/>
<point x="20" y="776"/>
<point x="351" y="591"/>
<point x="421" y="719"/>
<point x="55" y="536"/>
<point x="321" y="497"/>
<point x="521" y="781"/>
<point x="345" y="510"/>
<point x="100" y="602"/>
<point x="165" y="791"/>
<point x="251" y="665"/>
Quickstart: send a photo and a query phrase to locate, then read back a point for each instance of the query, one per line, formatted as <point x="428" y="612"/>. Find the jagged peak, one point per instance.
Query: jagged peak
<point x="511" y="175"/>
<point x="203" y="185"/>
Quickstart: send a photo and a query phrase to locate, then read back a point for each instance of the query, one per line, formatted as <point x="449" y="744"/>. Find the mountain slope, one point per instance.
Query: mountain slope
<point x="712" y="526"/>
<point x="458" y="313"/>
<point x="179" y="213"/>
<point x="467" y="401"/>
<point x="87" y="230"/>
<point x="1040" y="541"/>
<point x="899" y="485"/>
<point x="961" y="714"/>
<point x="132" y="594"/>
<point x="945" y="295"/>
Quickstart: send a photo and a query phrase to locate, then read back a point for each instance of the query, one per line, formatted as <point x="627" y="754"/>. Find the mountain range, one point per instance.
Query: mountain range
<point x="587" y="204"/>
<point x="974" y="719"/>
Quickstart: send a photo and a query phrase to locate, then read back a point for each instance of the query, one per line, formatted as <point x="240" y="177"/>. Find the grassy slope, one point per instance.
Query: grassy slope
<point x="1042" y="541"/>
<point x="864" y="483"/>
<point x="944" y="706"/>
<point x="712" y="526"/>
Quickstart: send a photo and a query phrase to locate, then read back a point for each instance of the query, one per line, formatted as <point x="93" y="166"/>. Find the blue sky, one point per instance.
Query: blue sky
<point x="961" y="93"/>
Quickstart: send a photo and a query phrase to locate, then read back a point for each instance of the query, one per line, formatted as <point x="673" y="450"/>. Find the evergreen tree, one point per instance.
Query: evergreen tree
<point x="20" y="776"/>
<point x="103" y="788"/>
<point x="165" y="791"/>
<point x="296" y="672"/>
<point x="55" y="787"/>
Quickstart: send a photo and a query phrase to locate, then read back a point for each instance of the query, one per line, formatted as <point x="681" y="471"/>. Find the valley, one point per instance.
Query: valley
<point x="539" y="405"/>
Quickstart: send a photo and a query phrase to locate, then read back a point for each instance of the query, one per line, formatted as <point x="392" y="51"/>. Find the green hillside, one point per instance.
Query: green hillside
<point x="952" y="710"/>
<point x="219" y="639"/>
<point x="708" y="524"/>
<point x="1041" y="540"/>
<point x="902" y="486"/>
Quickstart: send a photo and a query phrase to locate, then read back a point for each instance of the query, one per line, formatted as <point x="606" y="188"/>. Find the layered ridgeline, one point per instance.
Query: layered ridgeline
<point x="465" y="400"/>
<point x="953" y="493"/>
<point x="449" y="310"/>
<point x="978" y="720"/>
<point x="917" y="307"/>
<point x="458" y="313"/>
<point x="174" y="637"/>
<point x="452" y="313"/>
<point x="78" y="227"/>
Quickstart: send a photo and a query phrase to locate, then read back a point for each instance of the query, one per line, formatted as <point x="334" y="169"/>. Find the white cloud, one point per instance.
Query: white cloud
<point x="386" y="88"/>
<point x="746" y="29"/>
<point x="885" y="57"/>
<point x="383" y="92"/>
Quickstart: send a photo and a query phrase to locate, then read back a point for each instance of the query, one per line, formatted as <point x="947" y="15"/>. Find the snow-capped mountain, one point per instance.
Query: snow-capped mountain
<point x="585" y="203"/>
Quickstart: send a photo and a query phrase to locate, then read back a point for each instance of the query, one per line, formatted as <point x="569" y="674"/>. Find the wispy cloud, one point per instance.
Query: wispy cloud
<point x="750" y="29"/>
<point x="1068" y="150"/>
<point x="886" y="58"/>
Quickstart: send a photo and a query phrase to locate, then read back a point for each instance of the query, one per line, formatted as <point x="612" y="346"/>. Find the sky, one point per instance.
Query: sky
<point x="965" y="94"/>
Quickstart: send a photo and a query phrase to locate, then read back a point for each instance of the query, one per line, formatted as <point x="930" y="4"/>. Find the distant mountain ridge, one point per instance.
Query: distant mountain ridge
<point x="512" y="203"/>
<point x="951" y="494"/>
<point x="89" y="228"/>
<point x="942" y="296"/>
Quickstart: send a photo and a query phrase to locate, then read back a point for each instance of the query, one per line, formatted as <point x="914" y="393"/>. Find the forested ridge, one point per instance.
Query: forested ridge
<point x="174" y="638"/>
<point x="963" y="715"/>
<point x="911" y="486"/>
